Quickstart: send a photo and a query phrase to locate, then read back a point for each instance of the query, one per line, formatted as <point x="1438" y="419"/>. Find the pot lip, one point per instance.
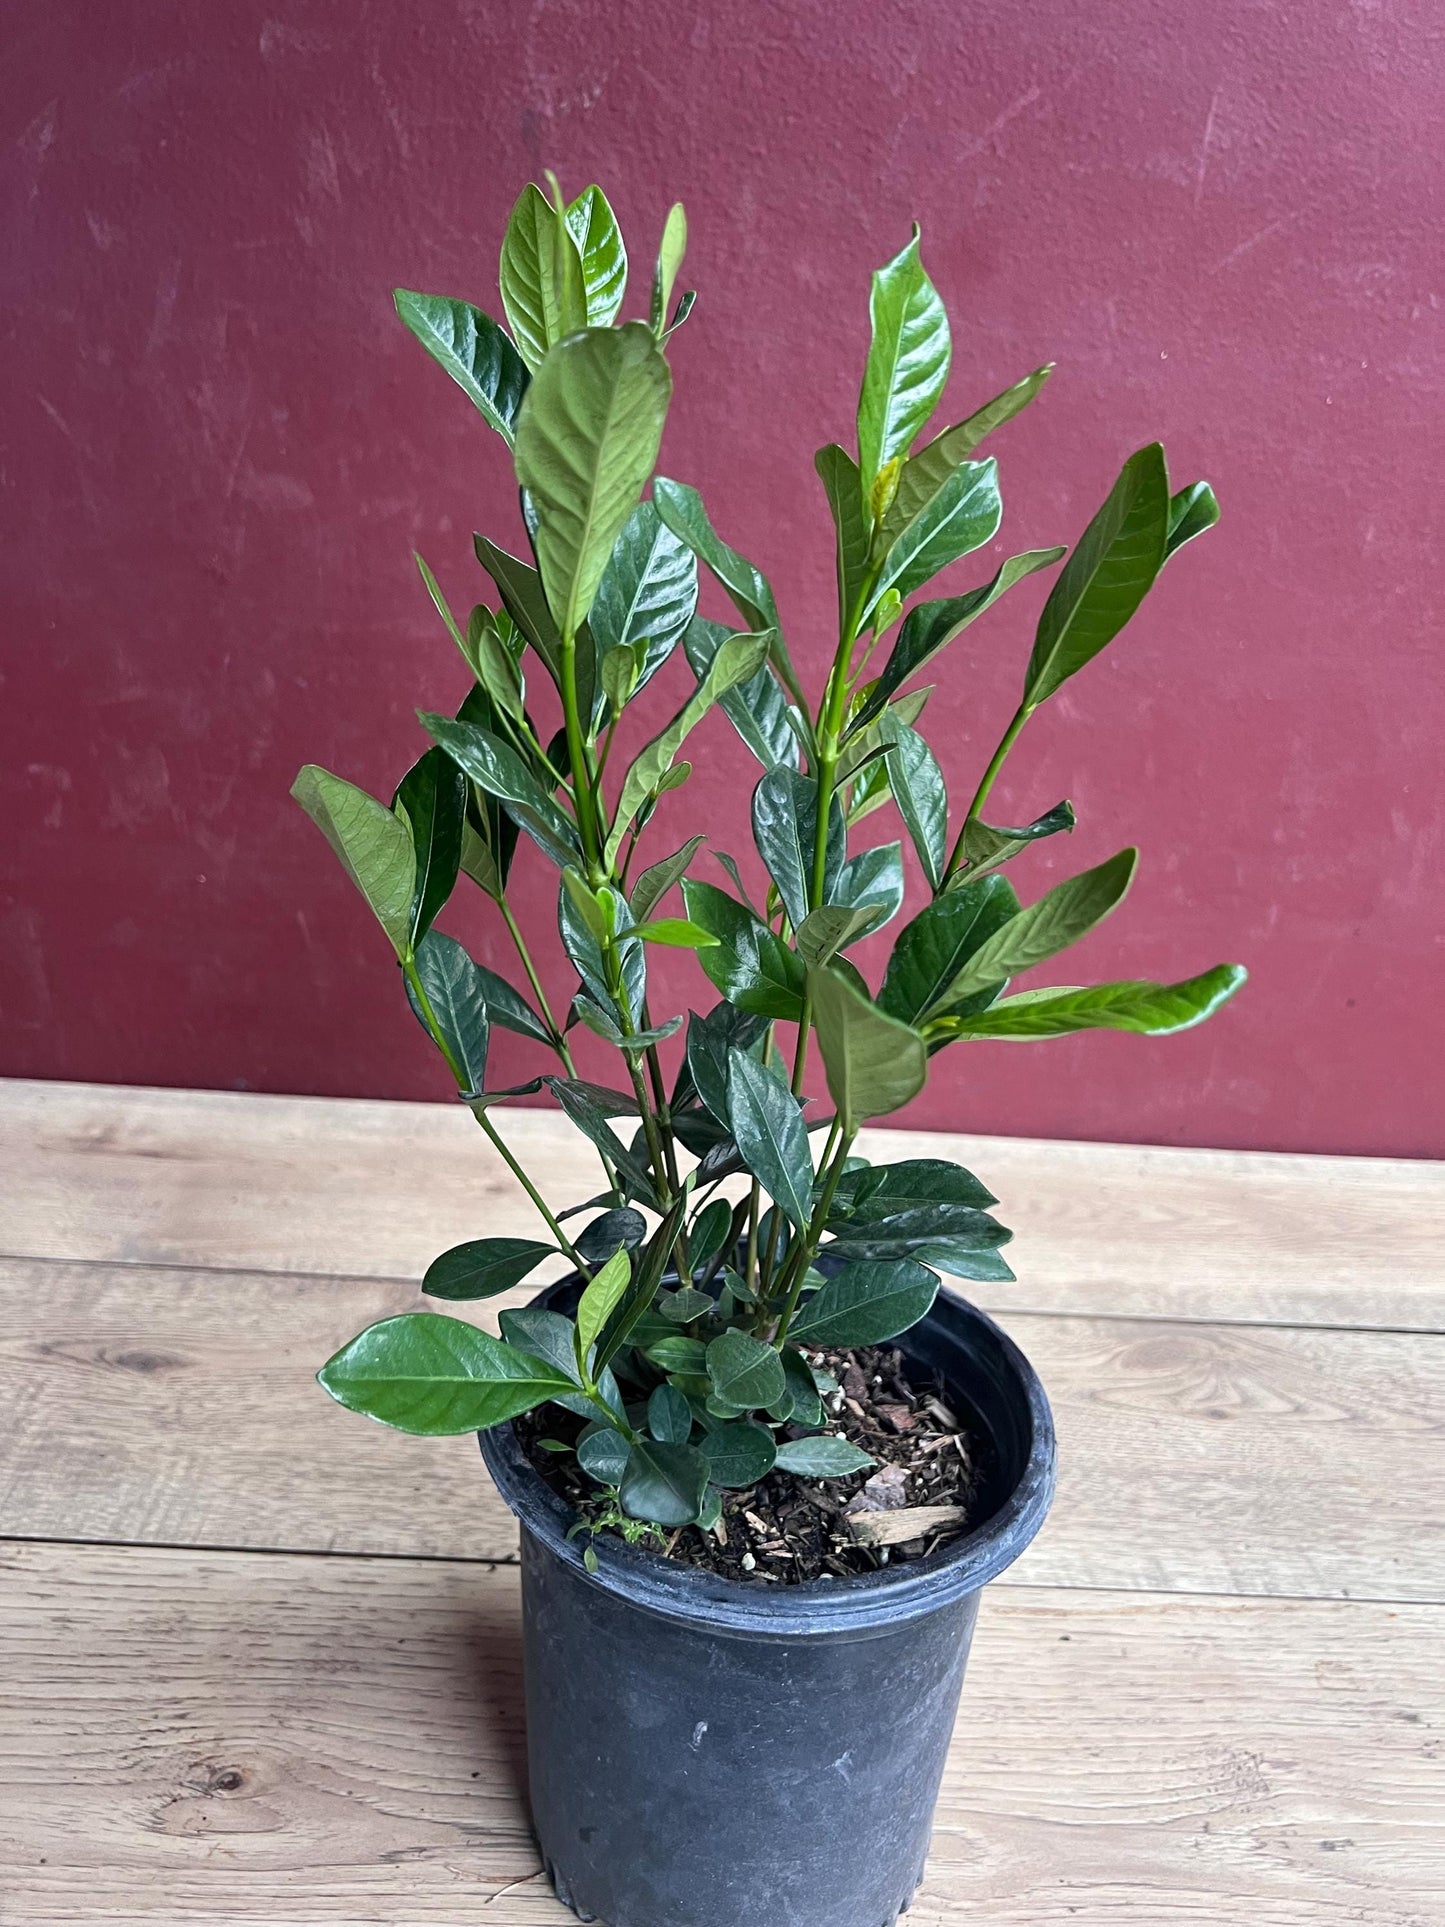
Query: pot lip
<point x="867" y="1603"/>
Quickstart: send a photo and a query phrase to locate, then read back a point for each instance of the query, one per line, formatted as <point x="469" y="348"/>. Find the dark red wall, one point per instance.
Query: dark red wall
<point x="218" y="448"/>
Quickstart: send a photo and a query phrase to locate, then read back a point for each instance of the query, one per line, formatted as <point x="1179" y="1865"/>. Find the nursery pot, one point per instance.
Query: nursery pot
<point x="707" y="1752"/>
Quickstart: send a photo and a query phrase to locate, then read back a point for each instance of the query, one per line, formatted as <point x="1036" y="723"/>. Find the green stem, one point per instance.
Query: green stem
<point x="559" y="1041"/>
<point x="990" y="775"/>
<point x="807" y="1246"/>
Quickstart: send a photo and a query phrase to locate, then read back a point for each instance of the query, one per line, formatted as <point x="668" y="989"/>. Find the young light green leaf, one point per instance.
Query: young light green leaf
<point x="473" y="350"/>
<point x="757" y="708"/>
<point x="1147" y="1009"/>
<point x="1106" y="578"/>
<point x="443" y="609"/>
<point x="499" y="770"/>
<point x="865" y="1304"/>
<point x="744" y="1371"/>
<point x="824" y="1457"/>
<point x="1191" y="512"/>
<point x="653" y="885"/>
<point x="677" y="932"/>
<point x="456" y="998"/>
<point x="1069" y="911"/>
<point x="664" y="1483"/>
<point x="936" y="945"/>
<point x="874" y="1063"/>
<point x="838" y="473"/>
<point x="543" y="291"/>
<point x="600" y="1300"/>
<point x="669" y="265"/>
<point x="922" y="799"/>
<point x="766" y="1121"/>
<point x="908" y="362"/>
<point x="785" y="829"/>
<point x="425" y="1373"/>
<point x="587" y="439"/>
<point x="432" y="799"/>
<point x="738" y="1453"/>
<point x="604" y="258"/>
<point x="483" y="1267"/>
<point x="925" y="473"/>
<point x="374" y="846"/>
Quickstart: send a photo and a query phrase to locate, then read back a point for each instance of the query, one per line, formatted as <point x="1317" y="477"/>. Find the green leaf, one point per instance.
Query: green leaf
<point x="678" y="1355"/>
<point x="669" y="1416"/>
<point x="543" y="292"/>
<point x="604" y="258"/>
<point x="676" y="932"/>
<point x="602" y="1453"/>
<point x="738" y="1453"/>
<point x="509" y="1008"/>
<point x="785" y="829"/>
<point x="483" y="1267"/>
<point x="906" y="1232"/>
<point x="601" y="1299"/>
<point x="749" y="965"/>
<point x="710" y="1043"/>
<point x="838" y="473"/>
<point x="874" y="1063"/>
<point x="801" y="1404"/>
<point x="1148" y="1009"/>
<point x="864" y="1304"/>
<point x="739" y="658"/>
<point x="520" y="588"/>
<point x="546" y="1335"/>
<point x="499" y="770"/>
<point x="935" y="946"/>
<point x="961" y="517"/>
<point x="647" y="594"/>
<point x="669" y="265"/>
<point x="579" y="1104"/>
<point x="473" y="350"/>
<point x="429" y="1374"/>
<point x="492" y="662"/>
<point x="1032" y="936"/>
<point x="443" y="609"/>
<point x="876" y="1192"/>
<point x="433" y="801"/>
<point x="766" y="1121"/>
<point x="653" y="885"/>
<point x="908" y="362"/>
<point x="918" y="789"/>
<point x="1191" y="512"/>
<point x="616" y="1230"/>
<point x="709" y="1231"/>
<point x="872" y="880"/>
<point x="664" y="1483"/>
<point x="373" y="844"/>
<point x="583" y="947"/>
<point x="825" y="931"/>
<point x="824" y="1457"/>
<point x="930" y="626"/>
<point x="457" y="996"/>
<point x="987" y="847"/>
<point x="587" y="439"/>
<point x="744" y="1371"/>
<point x="925" y="473"/>
<point x="757" y="708"/>
<point x="1106" y="578"/>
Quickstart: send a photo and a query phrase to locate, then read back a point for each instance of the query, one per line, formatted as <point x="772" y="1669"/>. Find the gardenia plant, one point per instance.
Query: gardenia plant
<point x="688" y="1354"/>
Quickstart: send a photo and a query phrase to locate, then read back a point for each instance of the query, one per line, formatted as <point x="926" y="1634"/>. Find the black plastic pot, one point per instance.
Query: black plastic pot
<point x="705" y="1752"/>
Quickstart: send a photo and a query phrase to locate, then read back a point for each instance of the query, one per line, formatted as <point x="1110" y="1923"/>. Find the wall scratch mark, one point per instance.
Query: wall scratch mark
<point x="1204" y="146"/>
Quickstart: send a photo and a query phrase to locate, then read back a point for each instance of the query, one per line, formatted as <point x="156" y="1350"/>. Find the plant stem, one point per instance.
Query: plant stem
<point x="583" y="795"/>
<point x="560" y="1044"/>
<point x="990" y="775"/>
<point x="807" y="1246"/>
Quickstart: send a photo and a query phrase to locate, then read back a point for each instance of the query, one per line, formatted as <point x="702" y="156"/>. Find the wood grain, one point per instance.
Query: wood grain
<point x="330" y="1185"/>
<point x="280" y="1742"/>
<point x="164" y="1406"/>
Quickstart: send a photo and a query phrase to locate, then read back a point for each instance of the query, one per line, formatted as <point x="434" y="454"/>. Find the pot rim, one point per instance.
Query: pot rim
<point x="864" y="1603"/>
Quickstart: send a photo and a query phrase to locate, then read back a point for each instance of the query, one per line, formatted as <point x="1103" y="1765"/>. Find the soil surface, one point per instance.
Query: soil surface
<point x="785" y="1530"/>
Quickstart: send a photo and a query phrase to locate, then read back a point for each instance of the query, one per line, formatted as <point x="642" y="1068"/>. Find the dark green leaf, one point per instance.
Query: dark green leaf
<point x="874" y="1063"/>
<point x="604" y="258"/>
<point x="908" y="362"/>
<point x="669" y="1416"/>
<point x="483" y="1267"/>
<point x="801" y="1404"/>
<point x="602" y="1453"/>
<point x="678" y="1355"/>
<point x="546" y="1335"/>
<point x="1106" y="578"/>
<point x="653" y="885"/>
<point x="757" y="708"/>
<point x="1069" y="911"/>
<point x="901" y="1233"/>
<point x="433" y="800"/>
<point x="543" y="291"/>
<point x="613" y="1231"/>
<point x="710" y="1228"/>
<point x="750" y="966"/>
<point x="1150" y="1010"/>
<point x="766" y="1121"/>
<point x="874" y="1192"/>
<point x="838" y="473"/>
<point x="918" y="790"/>
<point x="585" y="951"/>
<point x="935" y="946"/>
<point x="520" y="588"/>
<point x="647" y="595"/>
<point x="426" y="1373"/>
<point x="961" y="517"/>
<point x="457" y="997"/>
<point x="502" y="773"/>
<point x="925" y="473"/>
<point x="864" y="1304"/>
<point x="738" y="1453"/>
<point x="744" y="1371"/>
<point x="664" y="1483"/>
<point x="473" y="350"/>
<point x="374" y="846"/>
<point x="987" y="847"/>
<point x="824" y="1457"/>
<point x="581" y="1108"/>
<point x="1191" y="512"/>
<point x="681" y="1307"/>
<point x="785" y="829"/>
<point x="710" y="1040"/>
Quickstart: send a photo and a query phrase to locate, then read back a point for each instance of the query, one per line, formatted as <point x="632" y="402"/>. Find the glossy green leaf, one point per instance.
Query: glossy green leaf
<point x="874" y="1193"/>
<point x="801" y="1404"/>
<point x="443" y="609"/>
<point x="456" y="997"/>
<point x="473" y="350"/>
<point x="1069" y="911"/>
<point x="785" y="829"/>
<point x="824" y="1457"/>
<point x="1107" y="576"/>
<point x="679" y="1355"/>
<point x="587" y="439"/>
<point x="987" y="846"/>
<point x="908" y="361"/>
<point x="579" y="1104"/>
<point x="749" y="965"/>
<point x="583" y="947"/>
<point x="543" y="291"/>
<point x="615" y="1230"/>
<point x="669" y="264"/>
<point x="602" y="1453"/>
<point x="872" y="880"/>
<point x="604" y="257"/>
<point x="664" y="1483"/>
<point x="483" y="1267"/>
<point x="498" y="769"/>
<point x="739" y="658"/>
<point x="710" y="1043"/>
<point x="433" y="800"/>
<point x="935" y="946"/>
<point x="508" y="1008"/>
<point x="738" y="1453"/>
<point x="922" y="799"/>
<point x="906" y="1232"/>
<point x="601" y="1299"/>
<point x="1191" y="512"/>
<point x="961" y="517"/>
<point x="373" y="844"/>
<point x="1148" y="1009"/>
<point x="669" y="1416"/>
<point x="709" y="1231"/>
<point x="745" y="1372"/>
<point x="546" y="1335"/>
<point x="825" y="931"/>
<point x="520" y="588"/>
<point x="866" y="1303"/>
<point x="676" y="932"/>
<point x="874" y="1063"/>
<point x="426" y="1373"/>
<point x="757" y="708"/>
<point x="653" y="885"/>
<point x="838" y="473"/>
<point x="925" y="473"/>
<point x="493" y="663"/>
<point x="647" y="594"/>
<point x="766" y="1121"/>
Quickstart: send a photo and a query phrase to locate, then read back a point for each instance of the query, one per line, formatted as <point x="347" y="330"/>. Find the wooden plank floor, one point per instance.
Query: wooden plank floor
<point x="258" y="1659"/>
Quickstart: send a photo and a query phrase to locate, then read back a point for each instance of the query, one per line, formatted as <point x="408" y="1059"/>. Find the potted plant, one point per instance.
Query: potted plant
<point x="762" y="1462"/>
